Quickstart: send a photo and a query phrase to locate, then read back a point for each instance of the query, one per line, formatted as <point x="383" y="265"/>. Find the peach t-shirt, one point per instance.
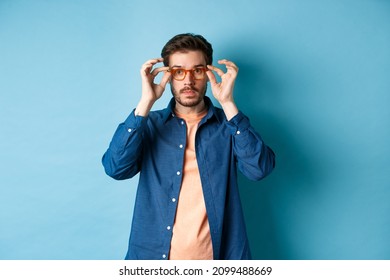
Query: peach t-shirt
<point x="191" y="238"/>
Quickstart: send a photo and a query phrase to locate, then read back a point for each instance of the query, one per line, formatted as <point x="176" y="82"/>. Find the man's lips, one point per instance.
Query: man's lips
<point x="188" y="91"/>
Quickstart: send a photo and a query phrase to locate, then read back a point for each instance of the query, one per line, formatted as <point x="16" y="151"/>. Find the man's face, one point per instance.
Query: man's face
<point x="190" y="91"/>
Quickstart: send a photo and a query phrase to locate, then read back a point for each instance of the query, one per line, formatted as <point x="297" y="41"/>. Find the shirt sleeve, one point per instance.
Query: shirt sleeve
<point x="124" y="154"/>
<point x="254" y="158"/>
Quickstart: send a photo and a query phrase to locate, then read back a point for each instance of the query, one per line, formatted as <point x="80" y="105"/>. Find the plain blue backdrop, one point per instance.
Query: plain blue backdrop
<point x="314" y="79"/>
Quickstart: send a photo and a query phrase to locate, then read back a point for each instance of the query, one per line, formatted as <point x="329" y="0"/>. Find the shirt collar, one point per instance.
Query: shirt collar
<point x="170" y="111"/>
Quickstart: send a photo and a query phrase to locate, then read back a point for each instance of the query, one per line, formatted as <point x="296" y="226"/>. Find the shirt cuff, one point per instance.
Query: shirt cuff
<point x="238" y="123"/>
<point x="133" y="122"/>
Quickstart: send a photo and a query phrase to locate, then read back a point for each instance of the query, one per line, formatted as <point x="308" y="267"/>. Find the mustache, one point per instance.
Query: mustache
<point x="189" y="88"/>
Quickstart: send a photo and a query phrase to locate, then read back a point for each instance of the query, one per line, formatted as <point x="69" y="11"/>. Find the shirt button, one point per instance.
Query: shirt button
<point x="168" y="228"/>
<point x="173" y="199"/>
<point x="164" y="256"/>
<point x="178" y="173"/>
<point x="181" y="146"/>
<point x="238" y="132"/>
<point x="129" y="130"/>
<point x="182" y="122"/>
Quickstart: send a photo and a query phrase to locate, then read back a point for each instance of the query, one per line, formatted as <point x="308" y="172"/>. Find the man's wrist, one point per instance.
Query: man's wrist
<point x="230" y="109"/>
<point x="143" y="108"/>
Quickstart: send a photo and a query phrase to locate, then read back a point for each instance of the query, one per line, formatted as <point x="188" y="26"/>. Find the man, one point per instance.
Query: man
<point x="187" y="204"/>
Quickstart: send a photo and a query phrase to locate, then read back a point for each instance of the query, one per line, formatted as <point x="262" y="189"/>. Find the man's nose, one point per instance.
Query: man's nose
<point x="189" y="79"/>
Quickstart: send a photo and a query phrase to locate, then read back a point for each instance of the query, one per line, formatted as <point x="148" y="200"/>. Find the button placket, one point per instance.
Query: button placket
<point x="181" y="146"/>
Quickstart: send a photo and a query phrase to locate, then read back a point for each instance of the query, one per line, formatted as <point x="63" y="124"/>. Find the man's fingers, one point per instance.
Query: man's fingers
<point x="165" y="78"/>
<point x="158" y="70"/>
<point x="148" y="65"/>
<point x="154" y="61"/>
<point x="216" y="69"/>
<point x="229" y="64"/>
<point x="211" y="75"/>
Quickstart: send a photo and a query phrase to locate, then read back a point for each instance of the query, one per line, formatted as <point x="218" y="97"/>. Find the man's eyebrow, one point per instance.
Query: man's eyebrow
<point x="196" y="66"/>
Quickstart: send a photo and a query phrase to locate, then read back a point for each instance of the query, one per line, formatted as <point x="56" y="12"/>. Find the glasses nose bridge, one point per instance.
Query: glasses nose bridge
<point x="191" y="76"/>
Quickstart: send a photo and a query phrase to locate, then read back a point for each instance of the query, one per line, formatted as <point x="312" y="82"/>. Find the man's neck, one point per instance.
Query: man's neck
<point x="193" y="110"/>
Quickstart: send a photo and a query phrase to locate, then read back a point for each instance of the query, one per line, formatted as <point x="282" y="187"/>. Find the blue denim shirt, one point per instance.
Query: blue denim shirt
<point x="154" y="146"/>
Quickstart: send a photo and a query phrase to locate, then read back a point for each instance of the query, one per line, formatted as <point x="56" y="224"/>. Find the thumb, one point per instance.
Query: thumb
<point x="211" y="76"/>
<point x="165" y="79"/>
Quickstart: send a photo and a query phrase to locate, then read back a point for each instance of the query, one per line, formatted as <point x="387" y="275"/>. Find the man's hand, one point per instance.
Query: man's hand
<point x="223" y="91"/>
<point x="151" y="91"/>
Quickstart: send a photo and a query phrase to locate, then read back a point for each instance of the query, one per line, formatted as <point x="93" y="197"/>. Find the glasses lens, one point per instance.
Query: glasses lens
<point x="179" y="74"/>
<point x="198" y="73"/>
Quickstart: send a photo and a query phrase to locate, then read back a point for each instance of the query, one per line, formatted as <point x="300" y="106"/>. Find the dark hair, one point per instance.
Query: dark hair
<point x="187" y="42"/>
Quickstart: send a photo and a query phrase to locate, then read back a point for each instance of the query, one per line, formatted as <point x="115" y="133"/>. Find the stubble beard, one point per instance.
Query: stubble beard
<point x="192" y="102"/>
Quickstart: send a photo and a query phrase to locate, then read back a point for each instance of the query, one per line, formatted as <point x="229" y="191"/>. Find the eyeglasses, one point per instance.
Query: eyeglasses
<point x="179" y="74"/>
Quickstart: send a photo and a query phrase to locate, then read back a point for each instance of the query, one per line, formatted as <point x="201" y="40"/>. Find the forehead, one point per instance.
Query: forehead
<point x="187" y="59"/>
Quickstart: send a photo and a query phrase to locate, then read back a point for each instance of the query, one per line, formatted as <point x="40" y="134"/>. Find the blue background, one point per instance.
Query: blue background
<point x="314" y="80"/>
